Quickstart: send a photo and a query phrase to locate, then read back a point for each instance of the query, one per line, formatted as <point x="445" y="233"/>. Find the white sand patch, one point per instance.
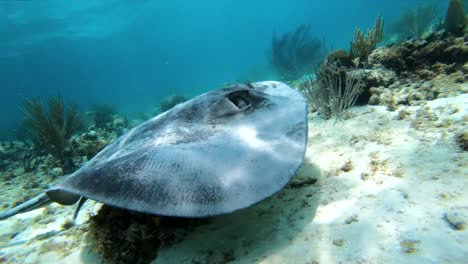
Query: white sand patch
<point x="387" y="205"/>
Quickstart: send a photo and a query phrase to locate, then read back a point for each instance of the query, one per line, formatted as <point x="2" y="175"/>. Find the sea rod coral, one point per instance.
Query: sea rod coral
<point x="50" y="130"/>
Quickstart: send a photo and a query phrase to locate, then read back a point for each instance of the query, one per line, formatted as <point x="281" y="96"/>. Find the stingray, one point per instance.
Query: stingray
<point x="219" y="152"/>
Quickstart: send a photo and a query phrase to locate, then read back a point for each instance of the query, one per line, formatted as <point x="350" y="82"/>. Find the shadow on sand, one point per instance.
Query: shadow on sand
<point x="253" y="233"/>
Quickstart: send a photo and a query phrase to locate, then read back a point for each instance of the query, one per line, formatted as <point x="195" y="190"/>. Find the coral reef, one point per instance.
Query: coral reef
<point x="293" y="53"/>
<point x="123" y="236"/>
<point x="170" y="101"/>
<point x="103" y="115"/>
<point x="11" y="152"/>
<point x="417" y="67"/>
<point x="435" y="53"/>
<point x="23" y="171"/>
<point x="23" y="167"/>
<point x="426" y="68"/>
<point x="90" y="143"/>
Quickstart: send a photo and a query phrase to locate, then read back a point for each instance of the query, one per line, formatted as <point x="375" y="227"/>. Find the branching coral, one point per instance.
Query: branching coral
<point x="362" y="46"/>
<point x="51" y="130"/>
<point x="293" y="53"/>
<point x="332" y="93"/>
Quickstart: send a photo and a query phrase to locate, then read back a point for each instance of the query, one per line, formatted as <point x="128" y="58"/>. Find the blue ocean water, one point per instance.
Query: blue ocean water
<point x="133" y="53"/>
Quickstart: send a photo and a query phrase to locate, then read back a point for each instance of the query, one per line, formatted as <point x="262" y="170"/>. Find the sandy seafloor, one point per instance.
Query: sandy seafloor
<point x="386" y="186"/>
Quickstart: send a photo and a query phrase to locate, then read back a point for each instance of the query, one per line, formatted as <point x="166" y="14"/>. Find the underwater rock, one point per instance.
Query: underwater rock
<point x="426" y="68"/>
<point x="90" y="135"/>
<point x="414" y="55"/>
<point x="301" y="182"/>
<point x="120" y="124"/>
<point x="462" y="140"/>
<point x="389" y="57"/>
<point x="90" y="143"/>
<point x="456" y="218"/>
<point x="378" y="77"/>
<point x="341" y="57"/>
<point x="339" y="242"/>
<point x="416" y="92"/>
<point x="12" y="151"/>
<point x="348" y="166"/>
<point x="410" y="246"/>
<point x="371" y="78"/>
<point x="352" y="219"/>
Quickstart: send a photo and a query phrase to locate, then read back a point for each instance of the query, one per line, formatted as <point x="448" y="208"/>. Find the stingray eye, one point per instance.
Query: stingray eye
<point x="239" y="100"/>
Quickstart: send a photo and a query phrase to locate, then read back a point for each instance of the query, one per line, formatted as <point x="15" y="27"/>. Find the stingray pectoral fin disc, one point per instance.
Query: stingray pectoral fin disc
<point x="198" y="160"/>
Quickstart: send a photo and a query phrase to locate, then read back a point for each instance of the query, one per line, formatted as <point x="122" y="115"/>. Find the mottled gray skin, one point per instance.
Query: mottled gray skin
<point x="219" y="152"/>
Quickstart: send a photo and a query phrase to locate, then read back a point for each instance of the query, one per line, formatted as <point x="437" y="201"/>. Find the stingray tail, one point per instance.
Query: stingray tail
<point x="36" y="202"/>
<point x="82" y="201"/>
